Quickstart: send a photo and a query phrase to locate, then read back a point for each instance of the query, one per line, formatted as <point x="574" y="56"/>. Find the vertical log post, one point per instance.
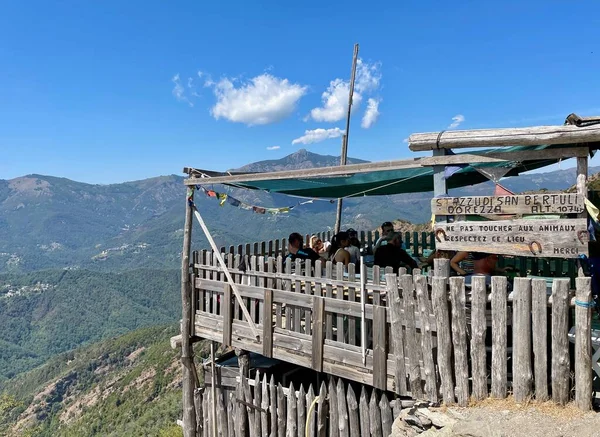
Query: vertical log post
<point x="522" y="375"/>
<point x="478" y="330"/>
<point x="187" y="360"/>
<point x="396" y="334"/>
<point x="499" y="351"/>
<point x="582" y="172"/>
<point x="583" y="346"/>
<point x="539" y="314"/>
<point x="322" y="411"/>
<point x="560" y="341"/>
<point x="353" y="422"/>
<point x="459" y="339"/>
<point x="442" y="321"/>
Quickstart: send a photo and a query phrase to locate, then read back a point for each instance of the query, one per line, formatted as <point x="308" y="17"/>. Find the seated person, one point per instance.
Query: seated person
<point x="316" y="244"/>
<point x="354" y="247"/>
<point x="296" y="249"/>
<point x="439" y="254"/>
<point x="484" y="264"/>
<point x="462" y="263"/>
<point x="392" y="255"/>
<point x="337" y="250"/>
<point x="386" y="229"/>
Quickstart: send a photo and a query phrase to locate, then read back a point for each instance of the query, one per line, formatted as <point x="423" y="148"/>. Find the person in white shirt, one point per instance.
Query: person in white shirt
<point x="354" y="247"/>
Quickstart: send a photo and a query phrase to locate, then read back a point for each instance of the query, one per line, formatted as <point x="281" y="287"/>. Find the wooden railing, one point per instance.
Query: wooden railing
<point x="419" y="329"/>
<point x="418" y="242"/>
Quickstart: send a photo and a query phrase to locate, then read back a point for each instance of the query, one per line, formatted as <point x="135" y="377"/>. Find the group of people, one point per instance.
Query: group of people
<point x="389" y="251"/>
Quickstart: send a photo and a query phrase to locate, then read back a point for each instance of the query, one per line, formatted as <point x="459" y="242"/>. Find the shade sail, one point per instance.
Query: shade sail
<point x="384" y="181"/>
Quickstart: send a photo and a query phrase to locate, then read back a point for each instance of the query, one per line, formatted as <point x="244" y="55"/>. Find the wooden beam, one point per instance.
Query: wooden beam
<point x="306" y="173"/>
<point x="497" y="157"/>
<point x="528" y="136"/>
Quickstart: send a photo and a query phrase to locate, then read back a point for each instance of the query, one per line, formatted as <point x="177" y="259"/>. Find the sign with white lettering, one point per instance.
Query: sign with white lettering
<point x="557" y="203"/>
<point x="567" y="238"/>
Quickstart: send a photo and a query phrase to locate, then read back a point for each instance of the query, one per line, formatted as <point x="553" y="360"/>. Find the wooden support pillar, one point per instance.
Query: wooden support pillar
<point x="440" y="187"/>
<point x="582" y="173"/>
<point x="187" y="358"/>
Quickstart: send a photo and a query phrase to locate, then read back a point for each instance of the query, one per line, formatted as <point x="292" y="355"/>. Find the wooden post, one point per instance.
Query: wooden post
<point x="264" y="415"/>
<point x="386" y="415"/>
<point x="560" y="341"/>
<point x="414" y="371"/>
<point x="583" y="347"/>
<point x="311" y="416"/>
<point x="187" y="360"/>
<point x="281" y="415"/>
<point x="273" y="406"/>
<point x="522" y="375"/>
<point x="257" y="406"/>
<point x="396" y="332"/>
<point x="301" y="411"/>
<point x="375" y="416"/>
<point x="499" y="352"/>
<point x="333" y="409"/>
<point x="442" y="320"/>
<point x="582" y="172"/>
<point x="478" y="330"/>
<point x="459" y="339"/>
<point x="440" y="188"/>
<point x="268" y="324"/>
<point x="213" y="389"/>
<point x="353" y="422"/>
<point x="292" y="412"/>
<point x="322" y="411"/>
<point x="379" y="348"/>
<point x="441" y="268"/>
<point x="425" y="311"/>
<point x="539" y="316"/>
<point x="342" y="410"/>
<point x="317" y="336"/>
<point x="363" y="408"/>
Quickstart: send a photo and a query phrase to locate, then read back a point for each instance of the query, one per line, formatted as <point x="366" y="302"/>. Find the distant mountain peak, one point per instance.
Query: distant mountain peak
<point x="298" y="160"/>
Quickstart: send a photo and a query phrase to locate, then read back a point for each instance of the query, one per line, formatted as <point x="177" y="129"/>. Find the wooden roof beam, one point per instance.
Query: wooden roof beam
<point x="527" y="136"/>
<point x="305" y="173"/>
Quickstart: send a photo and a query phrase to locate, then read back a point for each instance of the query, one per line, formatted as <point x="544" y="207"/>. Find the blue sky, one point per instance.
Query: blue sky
<point x="98" y="91"/>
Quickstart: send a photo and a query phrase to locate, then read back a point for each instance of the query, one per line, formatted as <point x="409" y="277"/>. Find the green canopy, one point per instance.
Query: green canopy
<point x="384" y="182"/>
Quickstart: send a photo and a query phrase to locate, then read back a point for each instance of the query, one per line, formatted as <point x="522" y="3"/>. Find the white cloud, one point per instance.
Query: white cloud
<point x="179" y="90"/>
<point x="371" y="114"/>
<point x="262" y="100"/>
<point x="335" y="97"/>
<point x="456" y="121"/>
<point x="273" y="148"/>
<point x="318" y="135"/>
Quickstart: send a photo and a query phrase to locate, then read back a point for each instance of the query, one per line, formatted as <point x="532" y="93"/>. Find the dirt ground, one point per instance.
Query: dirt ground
<point x="505" y="418"/>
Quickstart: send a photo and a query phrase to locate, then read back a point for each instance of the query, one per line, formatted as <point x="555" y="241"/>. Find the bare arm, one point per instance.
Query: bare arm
<point x="454" y="262"/>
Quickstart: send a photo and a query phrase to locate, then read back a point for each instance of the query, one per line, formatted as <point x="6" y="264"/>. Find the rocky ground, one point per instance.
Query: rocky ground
<point x="497" y="418"/>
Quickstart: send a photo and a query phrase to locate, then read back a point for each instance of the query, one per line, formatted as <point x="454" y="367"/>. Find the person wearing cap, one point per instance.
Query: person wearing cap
<point x="354" y="248"/>
<point x="392" y="255"/>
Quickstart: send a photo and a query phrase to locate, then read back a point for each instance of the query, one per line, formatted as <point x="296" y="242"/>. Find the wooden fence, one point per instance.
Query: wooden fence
<point x="261" y="408"/>
<point x="426" y="336"/>
<point x="418" y="242"/>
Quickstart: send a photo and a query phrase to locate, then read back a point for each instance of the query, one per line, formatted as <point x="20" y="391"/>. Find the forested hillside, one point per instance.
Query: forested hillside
<point x="48" y="312"/>
<point x="128" y="386"/>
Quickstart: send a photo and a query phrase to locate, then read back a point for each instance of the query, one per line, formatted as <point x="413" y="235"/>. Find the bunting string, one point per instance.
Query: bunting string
<point x="225" y="198"/>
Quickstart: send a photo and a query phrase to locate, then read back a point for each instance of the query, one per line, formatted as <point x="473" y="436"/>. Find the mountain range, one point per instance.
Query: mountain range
<point x="50" y="222"/>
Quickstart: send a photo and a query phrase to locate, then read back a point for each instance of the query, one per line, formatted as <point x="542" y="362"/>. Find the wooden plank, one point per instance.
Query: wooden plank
<point x="441" y="267"/>
<point x="329" y="293"/>
<point x="261" y="284"/>
<point x="312" y="417"/>
<point x="375" y="416"/>
<point x="551" y="203"/>
<point x="425" y="311"/>
<point x="279" y="286"/>
<point x="252" y="280"/>
<point x="292" y="413"/>
<point x="288" y="287"/>
<point x="301" y="411"/>
<point x="248" y="402"/>
<point x="525" y="136"/>
<point x="333" y="409"/>
<point x="499" y="329"/>
<point x="230" y="416"/>
<point x="317" y="336"/>
<point x="478" y="331"/>
<point x="414" y="371"/>
<point x="307" y="289"/>
<point x="306" y="173"/>
<point x="227" y="316"/>
<point x="497" y="157"/>
<point x="396" y="333"/>
<point x="459" y="339"/>
<point x="560" y="341"/>
<point x="583" y="346"/>
<point x="297" y="312"/>
<point x="274" y="402"/>
<point x="343" y="426"/>
<point x="539" y="315"/>
<point x="363" y="409"/>
<point x="341" y="331"/>
<point x="241" y="414"/>
<point x="322" y="411"/>
<point x="439" y="297"/>
<point x="582" y="173"/>
<point x="386" y="415"/>
<point x="379" y="348"/>
<point x="222" y="428"/>
<point x="564" y="238"/>
<point x="199" y="411"/>
<point x="352" y="332"/>
<point x="257" y="406"/>
<point x="281" y="412"/>
<point x="522" y="372"/>
<point x="267" y="317"/>
<point x="353" y="415"/>
<point x="264" y="405"/>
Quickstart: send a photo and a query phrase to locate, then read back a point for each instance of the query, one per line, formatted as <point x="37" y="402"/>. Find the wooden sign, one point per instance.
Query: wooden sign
<point x="567" y="238"/>
<point x="557" y="203"/>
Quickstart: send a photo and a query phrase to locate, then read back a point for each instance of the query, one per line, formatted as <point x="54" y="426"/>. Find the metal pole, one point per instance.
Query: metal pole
<point x="187" y="360"/>
<point x="343" y="156"/>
